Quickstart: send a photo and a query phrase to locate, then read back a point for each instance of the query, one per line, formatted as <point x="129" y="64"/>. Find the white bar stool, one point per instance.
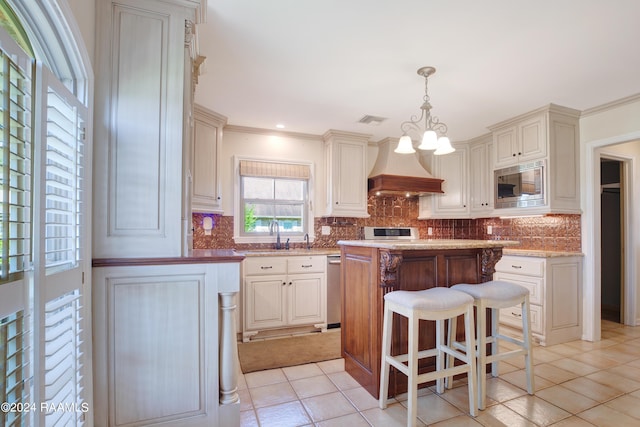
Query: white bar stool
<point x="495" y="295"/>
<point x="437" y="304"/>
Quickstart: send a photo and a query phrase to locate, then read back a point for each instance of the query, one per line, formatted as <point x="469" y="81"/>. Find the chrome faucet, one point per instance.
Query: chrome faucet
<point x="275" y="224"/>
<point x="306" y="238"/>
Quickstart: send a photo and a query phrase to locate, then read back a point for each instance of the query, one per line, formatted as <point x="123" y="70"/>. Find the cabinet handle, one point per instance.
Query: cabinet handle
<point x="306" y="265"/>
<point x="516" y="266"/>
<point x="516" y="314"/>
<point x="266" y="267"/>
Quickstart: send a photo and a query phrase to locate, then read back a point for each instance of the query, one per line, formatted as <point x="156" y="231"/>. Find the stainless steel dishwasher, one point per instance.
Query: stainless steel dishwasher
<point x="334" y="306"/>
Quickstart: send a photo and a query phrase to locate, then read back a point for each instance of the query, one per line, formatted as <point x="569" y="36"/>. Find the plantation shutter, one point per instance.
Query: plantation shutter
<point x="61" y="175"/>
<point x="16" y="86"/>
<point x="15" y="161"/>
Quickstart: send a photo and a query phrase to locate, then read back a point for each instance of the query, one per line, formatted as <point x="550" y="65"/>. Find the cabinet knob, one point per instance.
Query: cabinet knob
<point x="219" y="197"/>
<point x="519" y="154"/>
<point x="284" y="283"/>
<point x="514" y="154"/>
<point x="290" y="283"/>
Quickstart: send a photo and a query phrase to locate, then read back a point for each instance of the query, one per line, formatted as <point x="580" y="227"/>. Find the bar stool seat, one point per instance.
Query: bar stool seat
<point x="436" y="304"/>
<point x="494" y="295"/>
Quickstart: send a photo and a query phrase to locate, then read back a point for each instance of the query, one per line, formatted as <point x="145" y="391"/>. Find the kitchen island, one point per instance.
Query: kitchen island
<point x="372" y="268"/>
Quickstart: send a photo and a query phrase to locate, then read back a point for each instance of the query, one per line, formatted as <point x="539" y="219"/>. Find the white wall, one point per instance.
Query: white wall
<point x="84" y="12"/>
<point x="269" y="145"/>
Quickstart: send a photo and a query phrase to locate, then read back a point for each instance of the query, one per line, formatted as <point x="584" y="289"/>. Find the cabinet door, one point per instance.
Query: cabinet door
<point x="481" y="182"/>
<point x="532" y="139"/>
<point x="306" y="299"/>
<point x="505" y="147"/>
<point x="207" y="140"/>
<point x="264" y="302"/>
<point x="453" y="169"/>
<point x="346" y="175"/>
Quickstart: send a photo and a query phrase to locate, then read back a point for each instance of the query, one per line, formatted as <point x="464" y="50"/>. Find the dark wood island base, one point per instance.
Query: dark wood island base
<point x="370" y="269"/>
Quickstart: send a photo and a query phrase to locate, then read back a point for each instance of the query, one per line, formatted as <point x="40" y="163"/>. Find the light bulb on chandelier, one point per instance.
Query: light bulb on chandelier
<point x="434" y="136"/>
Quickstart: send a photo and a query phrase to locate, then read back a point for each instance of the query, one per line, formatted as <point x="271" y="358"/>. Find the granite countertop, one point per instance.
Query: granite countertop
<point x="539" y="253"/>
<point x="290" y="252"/>
<point x="429" y="244"/>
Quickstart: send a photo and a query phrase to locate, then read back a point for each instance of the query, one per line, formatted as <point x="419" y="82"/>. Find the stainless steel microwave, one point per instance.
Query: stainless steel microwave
<point x="520" y="186"/>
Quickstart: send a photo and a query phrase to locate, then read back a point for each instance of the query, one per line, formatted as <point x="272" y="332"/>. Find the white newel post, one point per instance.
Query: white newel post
<point x="228" y="350"/>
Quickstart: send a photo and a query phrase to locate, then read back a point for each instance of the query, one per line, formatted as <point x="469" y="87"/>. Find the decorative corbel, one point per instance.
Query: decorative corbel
<point x="389" y="266"/>
<point x="490" y="256"/>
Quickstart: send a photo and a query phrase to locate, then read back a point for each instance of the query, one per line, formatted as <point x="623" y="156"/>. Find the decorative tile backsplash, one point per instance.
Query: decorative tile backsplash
<point x="551" y="232"/>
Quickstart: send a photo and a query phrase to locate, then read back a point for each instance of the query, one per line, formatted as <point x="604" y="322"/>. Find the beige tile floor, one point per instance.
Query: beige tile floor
<point x="577" y="384"/>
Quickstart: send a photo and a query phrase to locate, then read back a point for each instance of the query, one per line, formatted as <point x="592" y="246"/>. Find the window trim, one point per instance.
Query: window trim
<point x="238" y="235"/>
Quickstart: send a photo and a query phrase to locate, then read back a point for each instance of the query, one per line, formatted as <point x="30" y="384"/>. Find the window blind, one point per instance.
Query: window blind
<point x="15" y="162"/>
<point x="13" y="368"/>
<point x="62" y="376"/>
<point x="64" y="174"/>
<point x="274" y="169"/>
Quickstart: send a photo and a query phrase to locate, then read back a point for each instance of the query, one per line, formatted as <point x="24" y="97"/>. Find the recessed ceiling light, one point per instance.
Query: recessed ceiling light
<point x="280" y="126"/>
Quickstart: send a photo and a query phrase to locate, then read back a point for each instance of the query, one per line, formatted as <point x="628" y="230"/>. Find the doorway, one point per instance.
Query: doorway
<point x="612" y="240"/>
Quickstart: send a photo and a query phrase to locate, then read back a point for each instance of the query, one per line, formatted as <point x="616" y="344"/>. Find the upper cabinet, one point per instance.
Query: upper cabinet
<point x="143" y="60"/>
<point x="481" y="176"/>
<point x="549" y="134"/>
<point x="453" y="169"/>
<point x="520" y="141"/>
<point x="346" y="172"/>
<point x="207" y="141"/>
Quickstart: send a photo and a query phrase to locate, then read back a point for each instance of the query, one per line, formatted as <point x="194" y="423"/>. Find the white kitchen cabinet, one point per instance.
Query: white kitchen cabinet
<point x="520" y="142"/>
<point x="481" y="180"/>
<point x="453" y="169"/>
<point x="550" y="134"/>
<point x="284" y="292"/>
<point x="142" y="64"/>
<point x="346" y="172"/>
<point x="207" y="142"/>
<point x="555" y="287"/>
<point x="168" y="322"/>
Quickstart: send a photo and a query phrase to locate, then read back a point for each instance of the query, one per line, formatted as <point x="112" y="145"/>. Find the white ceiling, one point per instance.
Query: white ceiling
<point x="316" y="65"/>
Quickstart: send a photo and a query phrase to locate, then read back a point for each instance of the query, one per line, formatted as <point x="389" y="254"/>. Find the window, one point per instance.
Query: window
<point x="273" y="194"/>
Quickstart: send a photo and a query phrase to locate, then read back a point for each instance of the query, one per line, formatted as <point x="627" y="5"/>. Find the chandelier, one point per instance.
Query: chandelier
<point x="434" y="136"/>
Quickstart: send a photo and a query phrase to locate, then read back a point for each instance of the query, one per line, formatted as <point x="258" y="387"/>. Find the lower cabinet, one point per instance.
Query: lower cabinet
<point x="555" y="286"/>
<point x="165" y="345"/>
<point x="284" y="292"/>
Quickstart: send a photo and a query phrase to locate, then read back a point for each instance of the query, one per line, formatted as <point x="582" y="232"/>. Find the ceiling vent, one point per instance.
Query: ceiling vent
<point x="372" y="120"/>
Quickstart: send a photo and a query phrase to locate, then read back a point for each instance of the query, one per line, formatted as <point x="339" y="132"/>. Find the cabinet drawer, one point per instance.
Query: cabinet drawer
<point x="521" y="265"/>
<point x="265" y="265"/>
<point x="512" y="316"/>
<point x="306" y="264"/>
<point x="534" y="284"/>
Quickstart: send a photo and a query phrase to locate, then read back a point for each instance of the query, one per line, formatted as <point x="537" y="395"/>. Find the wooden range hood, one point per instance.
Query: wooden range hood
<point x="399" y="184"/>
<point x="395" y="173"/>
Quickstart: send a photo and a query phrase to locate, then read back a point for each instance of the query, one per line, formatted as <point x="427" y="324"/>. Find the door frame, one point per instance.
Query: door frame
<point x="591" y="152"/>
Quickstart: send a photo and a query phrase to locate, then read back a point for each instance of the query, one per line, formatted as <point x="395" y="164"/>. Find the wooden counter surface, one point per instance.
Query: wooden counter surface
<point x="197" y="256"/>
